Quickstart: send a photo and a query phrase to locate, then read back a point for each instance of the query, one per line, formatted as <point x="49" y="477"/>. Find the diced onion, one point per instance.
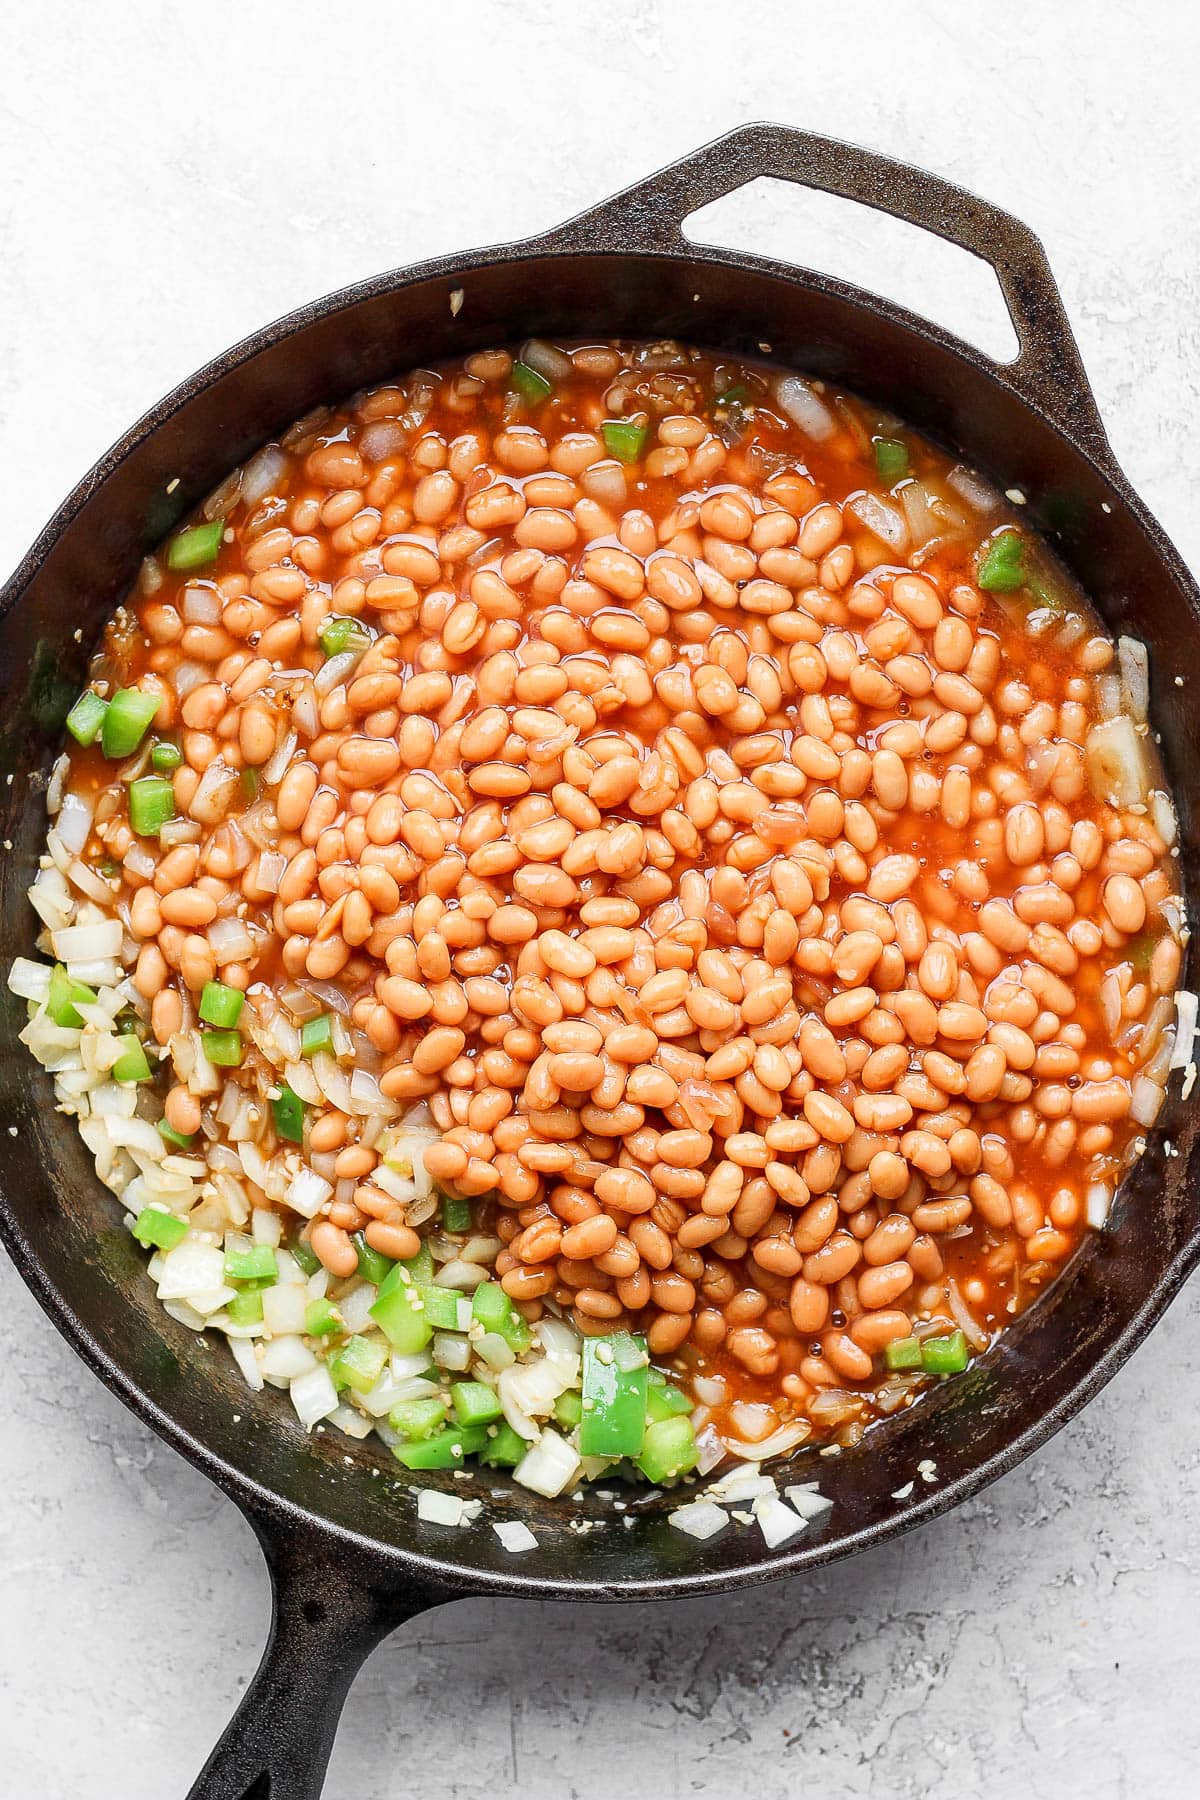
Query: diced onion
<point x="880" y="518"/>
<point x="699" y="1519"/>
<point x="1185" y="1034"/>
<point x="777" y="1522"/>
<point x="786" y="1438"/>
<point x="201" y="603"/>
<point x="261" y="475"/>
<point x="1134" y="661"/>
<point x="313" y="1395"/>
<point x="549" y="1467"/>
<point x="514" y="1535"/>
<point x="804" y="407"/>
<point x="213" y="796"/>
<point x="436" y="1508"/>
<point x="551" y="363"/>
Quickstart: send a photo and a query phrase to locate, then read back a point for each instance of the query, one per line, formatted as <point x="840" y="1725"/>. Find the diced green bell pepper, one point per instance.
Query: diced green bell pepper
<point x="86" y="717"/>
<point x="132" y="1064"/>
<point x="474" y="1403"/>
<point x="127" y="719"/>
<point x="178" y="1139"/>
<point x="196" y="546"/>
<point x="945" y="1355"/>
<point x="373" y="1266"/>
<point x="223" y="1048"/>
<point x="568" y="1409"/>
<point x="456" y="1214"/>
<point x="496" y="1312"/>
<point x="255" y="1264"/>
<point x="903" y="1353"/>
<point x="305" y="1255"/>
<point x="400" y="1313"/>
<point x="623" y="439"/>
<point x="221" y="1005"/>
<point x="1001" y="565"/>
<point x="441" y="1307"/>
<point x="321" y="1318"/>
<point x="316" y="1034"/>
<point x="415" y="1419"/>
<point x="151" y="804"/>
<point x="359" y="1363"/>
<point x="504" y="1448"/>
<point x="339" y="634"/>
<point x="668" y="1449"/>
<point x="615" y="1384"/>
<point x="529" y="384"/>
<point x="891" y="459"/>
<point x="159" y="1230"/>
<point x="446" y="1450"/>
<point x="287" y="1111"/>
<point x="665" y="1401"/>
<point x="246" y="1307"/>
<point x="65" y="996"/>
<point x="166" y="757"/>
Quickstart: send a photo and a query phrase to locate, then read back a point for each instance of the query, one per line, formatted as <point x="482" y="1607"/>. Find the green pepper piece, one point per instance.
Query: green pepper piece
<point x="256" y="1264"/>
<point x="86" y="717"/>
<point x="246" y="1307"/>
<point x="196" y="546"/>
<point x="668" y="1449"/>
<point x="339" y="634"/>
<point x="373" y="1266"/>
<point x="418" y="1419"/>
<point x="151" y="804"/>
<point x="178" y="1139"/>
<point x="445" y="1451"/>
<point x="223" y="1048"/>
<point x="903" y="1353"/>
<point x="221" y="1005"/>
<point x="945" y="1355"/>
<point x="474" y="1403"/>
<point x="665" y="1401"/>
<point x="568" y="1409"/>
<point x="321" y="1318"/>
<point x="891" y="459"/>
<point x="400" y="1314"/>
<point x="126" y="721"/>
<point x="495" y="1312"/>
<point x="624" y="439"/>
<point x="159" y="1230"/>
<point x="441" y="1307"/>
<point x="132" y="1064"/>
<point x="287" y="1111"/>
<point x="456" y="1215"/>
<point x="504" y="1449"/>
<point x="615" y="1385"/>
<point x="65" y="996"/>
<point x="1001" y="566"/>
<point x="359" y="1363"/>
<point x="165" y="757"/>
<point x="305" y="1255"/>
<point x="316" y="1034"/>
<point x="529" y="384"/>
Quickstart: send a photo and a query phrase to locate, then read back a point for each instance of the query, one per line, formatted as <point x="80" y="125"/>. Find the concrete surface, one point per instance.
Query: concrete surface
<point x="173" y="176"/>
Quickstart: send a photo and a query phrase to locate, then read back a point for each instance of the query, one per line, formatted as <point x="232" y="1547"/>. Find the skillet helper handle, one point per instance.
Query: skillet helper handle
<point x="326" y="1618"/>
<point x="1047" y="372"/>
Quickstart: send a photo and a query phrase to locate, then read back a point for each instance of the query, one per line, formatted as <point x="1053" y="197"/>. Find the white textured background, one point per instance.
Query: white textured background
<point x="173" y="176"/>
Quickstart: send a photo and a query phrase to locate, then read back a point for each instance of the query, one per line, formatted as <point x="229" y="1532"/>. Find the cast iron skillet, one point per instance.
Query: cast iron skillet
<point x="348" y="1562"/>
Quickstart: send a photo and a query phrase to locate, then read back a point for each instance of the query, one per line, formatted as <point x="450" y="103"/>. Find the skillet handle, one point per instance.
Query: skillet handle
<point x="1047" y="372"/>
<point x="327" y="1616"/>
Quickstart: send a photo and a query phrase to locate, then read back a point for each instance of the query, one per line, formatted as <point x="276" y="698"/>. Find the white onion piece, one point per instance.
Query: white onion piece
<point x="552" y="364"/>
<point x="214" y="795"/>
<point x="804" y="407"/>
<point x="778" y="1522"/>
<point x="515" y="1536"/>
<point x="275" y="768"/>
<point x="977" y="493"/>
<point x="223" y="499"/>
<point x="29" y="980"/>
<point x="1097" y="1204"/>
<point x="882" y="519"/>
<point x="201" y="603"/>
<point x="187" y="676"/>
<point x="786" y="1438"/>
<point x="332" y="673"/>
<point x="919" y="515"/>
<point x="605" y="483"/>
<point x="313" y="1396"/>
<point x="699" y="1519"/>
<point x="1116" y="764"/>
<point x="383" y="438"/>
<point x="74" y="822"/>
<point x="808" y="1502"/>
<point x="1146" y="1100"/>
<point x="271" y="865"/>
<point x="262" y="474"/>
<point x="550" y="1466"/>
<point x="964" y="1318"/>
<point x="230" y="940"/>
<point x="1185" y="1036"/>
<point x="1134" y="660"/>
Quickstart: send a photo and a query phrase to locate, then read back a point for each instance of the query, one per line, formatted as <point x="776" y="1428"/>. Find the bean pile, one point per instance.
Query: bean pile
<point x="675" y="782"/>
